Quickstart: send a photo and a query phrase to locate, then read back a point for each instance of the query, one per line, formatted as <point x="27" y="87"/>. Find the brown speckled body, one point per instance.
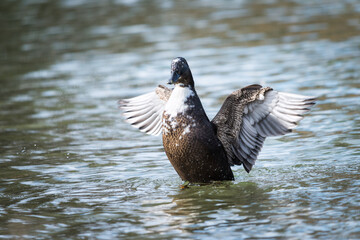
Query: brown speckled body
<point x="191" y="144"/>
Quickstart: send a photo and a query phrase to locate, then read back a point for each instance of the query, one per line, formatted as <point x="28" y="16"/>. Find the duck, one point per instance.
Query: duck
<point x="203" y="151"/>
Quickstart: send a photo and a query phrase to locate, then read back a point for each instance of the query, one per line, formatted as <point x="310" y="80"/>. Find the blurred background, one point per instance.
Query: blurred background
<point x="71" y="168"/>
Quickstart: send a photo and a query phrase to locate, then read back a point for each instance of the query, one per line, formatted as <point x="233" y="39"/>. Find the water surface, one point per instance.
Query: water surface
<point x="71" y="168"/>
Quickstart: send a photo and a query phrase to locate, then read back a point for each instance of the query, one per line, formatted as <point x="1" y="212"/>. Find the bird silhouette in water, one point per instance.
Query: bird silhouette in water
<point x="201" y="150"/>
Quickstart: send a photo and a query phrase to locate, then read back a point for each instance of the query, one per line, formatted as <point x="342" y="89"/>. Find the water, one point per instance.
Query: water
<point x="71" y="168"/>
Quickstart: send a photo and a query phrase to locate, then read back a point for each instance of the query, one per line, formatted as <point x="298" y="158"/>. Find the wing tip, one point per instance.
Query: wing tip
<point x="122" y="103"/>
<point x="247" y="166"/>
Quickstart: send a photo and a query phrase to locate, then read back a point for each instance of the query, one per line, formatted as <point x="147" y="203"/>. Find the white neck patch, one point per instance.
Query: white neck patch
<point x="176" y="103"/>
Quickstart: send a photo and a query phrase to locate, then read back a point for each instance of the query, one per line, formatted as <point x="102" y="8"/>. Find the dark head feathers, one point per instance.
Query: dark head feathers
<point x="180" y="72"/>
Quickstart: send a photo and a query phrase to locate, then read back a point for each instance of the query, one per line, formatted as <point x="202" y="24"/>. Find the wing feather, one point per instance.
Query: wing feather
<point x="251" y="114"/>
<point x="145" y="111"/>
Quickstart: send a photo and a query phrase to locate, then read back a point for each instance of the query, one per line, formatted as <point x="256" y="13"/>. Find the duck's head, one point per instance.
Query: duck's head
<point x="180" y="72"/>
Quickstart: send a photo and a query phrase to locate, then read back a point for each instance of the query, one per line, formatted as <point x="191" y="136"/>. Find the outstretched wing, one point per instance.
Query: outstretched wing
<point x="251" y="114"/>
<point x="145" y="111"/>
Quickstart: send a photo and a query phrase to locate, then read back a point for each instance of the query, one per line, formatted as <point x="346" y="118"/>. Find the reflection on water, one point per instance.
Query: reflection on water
<point x="71" y="168"/>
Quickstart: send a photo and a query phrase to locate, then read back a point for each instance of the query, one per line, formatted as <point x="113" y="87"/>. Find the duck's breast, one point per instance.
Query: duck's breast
<point x="190" y="141"/>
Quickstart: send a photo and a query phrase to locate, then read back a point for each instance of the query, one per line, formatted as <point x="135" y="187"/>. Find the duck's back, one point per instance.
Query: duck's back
<point x="190" y="141"/>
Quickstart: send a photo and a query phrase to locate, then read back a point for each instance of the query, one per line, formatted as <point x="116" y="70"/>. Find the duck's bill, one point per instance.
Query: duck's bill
<point x="174" y="78"/>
